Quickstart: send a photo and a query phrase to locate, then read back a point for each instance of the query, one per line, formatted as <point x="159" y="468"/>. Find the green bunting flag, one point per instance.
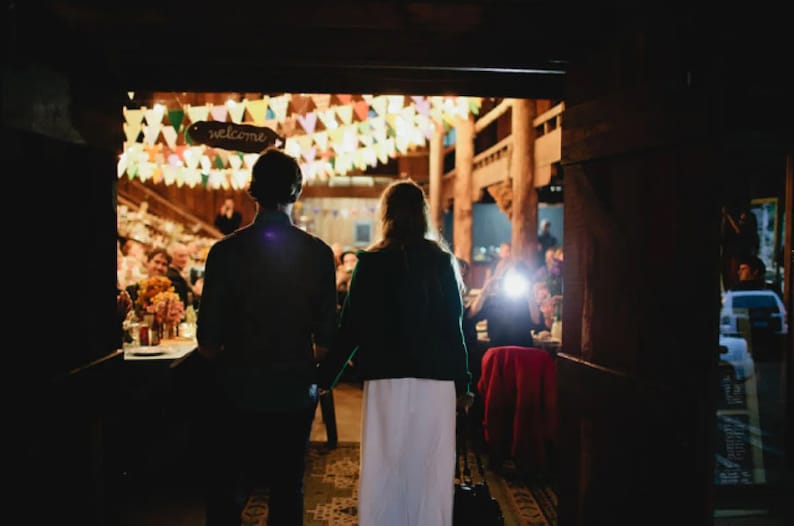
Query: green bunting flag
<point x="175" y="117"/>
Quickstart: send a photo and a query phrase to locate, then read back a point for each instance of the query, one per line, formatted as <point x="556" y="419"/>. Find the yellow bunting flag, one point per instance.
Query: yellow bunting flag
<point x="133" y="117"/>
<point x="257" y="109"/>
<point x="379" y="104"/>
<point x="321" y="102"/>
<point x="170" y="136"/>
<point x="345" y="113"/>
<point x="131" y="131"/>
<point x="198" y="113"/>
<point x="321" y="140"/>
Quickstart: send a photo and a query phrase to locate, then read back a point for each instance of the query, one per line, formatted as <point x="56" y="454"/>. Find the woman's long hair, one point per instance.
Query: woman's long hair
<point x="405" y="220"/>
<point x="403" y="214"/>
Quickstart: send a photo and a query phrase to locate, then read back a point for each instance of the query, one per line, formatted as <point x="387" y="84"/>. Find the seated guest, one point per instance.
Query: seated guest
<point x="540" y="294"/>
<point x="157" y="261"/>
<point x="179" y="260"/>
<point x="504" y="302"/>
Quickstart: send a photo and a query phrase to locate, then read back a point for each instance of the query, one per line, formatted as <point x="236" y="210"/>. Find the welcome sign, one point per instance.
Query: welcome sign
<point x="235" y="137"/>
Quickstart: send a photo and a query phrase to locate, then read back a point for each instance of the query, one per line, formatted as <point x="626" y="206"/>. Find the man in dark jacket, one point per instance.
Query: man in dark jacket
<point x="268" y="305"/>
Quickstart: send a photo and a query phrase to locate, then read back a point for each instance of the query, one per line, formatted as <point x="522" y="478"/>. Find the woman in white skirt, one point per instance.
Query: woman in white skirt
<point x="401" y="326"/>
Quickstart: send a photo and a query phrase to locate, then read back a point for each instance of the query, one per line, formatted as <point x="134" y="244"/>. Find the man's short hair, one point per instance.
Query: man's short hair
<point x="275" y="178"/>
<point x="756" y="264"/>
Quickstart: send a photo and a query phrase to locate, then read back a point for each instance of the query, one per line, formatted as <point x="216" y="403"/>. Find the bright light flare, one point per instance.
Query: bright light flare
<point x="514" y="284"/>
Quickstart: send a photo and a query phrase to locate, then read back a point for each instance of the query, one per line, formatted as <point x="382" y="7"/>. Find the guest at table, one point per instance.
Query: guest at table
<point x="505" y="303"/>
<point x="157" y="261"/>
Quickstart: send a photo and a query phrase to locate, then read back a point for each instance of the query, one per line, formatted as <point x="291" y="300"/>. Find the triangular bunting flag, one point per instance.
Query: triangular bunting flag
<point x="368" y="98"/>
<point x="304" y="142"/>
<point x="345" y="99"/>
<point x="328" y="118"/>
<point x="236" y="112"/>
<point x="345" y="113"/>
<point x="292" y="147"/>
<point x="154" y="115"/>
<point x="206" y="165"/>
<point x="321" y="140"/>
<point x="175" y="117"/>
<point x="151" y="133"/>
<point x="131" y="131"/>
<point x="235" y="161"/>
<point x="198" y="113"/>
<point x="321" y="102"/>
<point x="379" y="104"/>
<point x="362" y="110"/>
<point x="279" y="107"/>
<point x="257" y="109"/>
<point x="422" y="106"/>
<point x="309" y="154"/>
<point x="192" y="156"/>
<point x="396" y="103"/>
<point x="133" y="117"/>
<point x="308" y="121"/>
<point x="218" y="112"/>
<point x="170" y="136"/>
<point x="249" y="159"/>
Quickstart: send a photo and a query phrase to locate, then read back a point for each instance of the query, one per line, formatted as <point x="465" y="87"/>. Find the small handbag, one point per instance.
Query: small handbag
<point x="473" y="503"/>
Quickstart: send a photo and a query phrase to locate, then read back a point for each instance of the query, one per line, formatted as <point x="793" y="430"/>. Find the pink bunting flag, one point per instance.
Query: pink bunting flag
<point x="308" y="121"/>
<point x="422" y="106"/>
<point x="218" y="113"/>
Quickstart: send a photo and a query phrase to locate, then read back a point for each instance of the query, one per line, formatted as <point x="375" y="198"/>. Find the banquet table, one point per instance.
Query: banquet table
<point x="168" y="350"/>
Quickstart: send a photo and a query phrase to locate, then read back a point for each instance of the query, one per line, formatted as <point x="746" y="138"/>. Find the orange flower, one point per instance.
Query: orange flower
<point x="148" y="288"/>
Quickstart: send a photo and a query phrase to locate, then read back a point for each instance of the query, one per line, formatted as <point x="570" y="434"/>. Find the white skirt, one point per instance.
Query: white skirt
<point x="407" y="453"/>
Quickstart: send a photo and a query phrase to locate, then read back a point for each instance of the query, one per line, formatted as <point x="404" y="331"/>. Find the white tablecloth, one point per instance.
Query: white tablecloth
<point x="169" y="350"/>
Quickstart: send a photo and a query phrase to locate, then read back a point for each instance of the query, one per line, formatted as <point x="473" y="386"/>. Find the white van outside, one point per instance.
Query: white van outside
<point x="762" y="309"/>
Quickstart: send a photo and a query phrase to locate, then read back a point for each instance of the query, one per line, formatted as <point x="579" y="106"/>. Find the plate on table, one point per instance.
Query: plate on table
<point x="147" y="351"/>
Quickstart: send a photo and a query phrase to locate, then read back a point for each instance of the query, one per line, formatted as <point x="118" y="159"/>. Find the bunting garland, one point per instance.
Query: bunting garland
<point x="332" y="135"/>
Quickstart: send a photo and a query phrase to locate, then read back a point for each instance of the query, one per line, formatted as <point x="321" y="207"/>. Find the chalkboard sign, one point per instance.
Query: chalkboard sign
<point x="734" y="464"/>
<point x="733" y="394"/>
<point x="235" y="137"/>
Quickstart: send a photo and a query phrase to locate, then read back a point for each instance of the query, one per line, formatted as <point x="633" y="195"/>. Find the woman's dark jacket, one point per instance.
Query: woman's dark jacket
<point x="401" y="318"/>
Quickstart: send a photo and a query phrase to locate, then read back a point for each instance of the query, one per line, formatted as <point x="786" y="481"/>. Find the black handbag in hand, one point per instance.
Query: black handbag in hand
<point x="473" y="503"/>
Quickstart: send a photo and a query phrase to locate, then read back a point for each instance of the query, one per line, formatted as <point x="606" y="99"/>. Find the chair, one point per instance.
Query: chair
<point x="518" y="386"/>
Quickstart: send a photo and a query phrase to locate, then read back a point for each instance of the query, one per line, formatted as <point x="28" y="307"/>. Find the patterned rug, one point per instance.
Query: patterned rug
<point x="331" y="493"/>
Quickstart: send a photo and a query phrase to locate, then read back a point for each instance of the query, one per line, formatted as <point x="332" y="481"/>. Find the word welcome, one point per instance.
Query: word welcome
<point x="238" y="137"/>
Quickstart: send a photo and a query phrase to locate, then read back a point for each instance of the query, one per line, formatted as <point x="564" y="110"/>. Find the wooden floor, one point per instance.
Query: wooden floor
<point x="347" y="404"/>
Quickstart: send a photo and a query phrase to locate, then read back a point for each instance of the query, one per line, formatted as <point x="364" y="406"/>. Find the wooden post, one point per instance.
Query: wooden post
<point x="464" y="158"/>
<point x="525" y="198"/>
<point x="436" y="172"/>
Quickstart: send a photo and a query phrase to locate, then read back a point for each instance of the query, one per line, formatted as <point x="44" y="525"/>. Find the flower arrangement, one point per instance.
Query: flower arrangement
<point x="148" y="289"/>
<point x="168" y="308"/>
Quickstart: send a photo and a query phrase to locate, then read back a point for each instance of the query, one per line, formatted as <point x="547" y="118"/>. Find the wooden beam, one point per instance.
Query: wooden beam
<point x="492" y="115"/>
